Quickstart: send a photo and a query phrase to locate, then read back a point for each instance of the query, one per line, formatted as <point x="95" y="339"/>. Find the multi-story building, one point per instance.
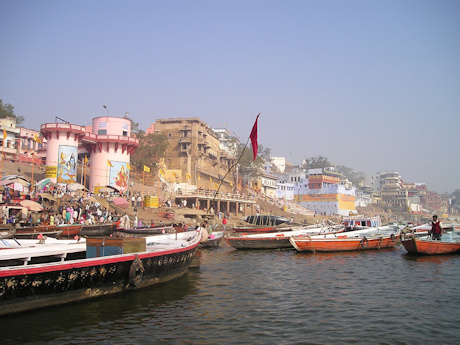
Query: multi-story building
<point x="194" y="155"/>
<point x="266" y="185"/>
<point x="325" y="191"/>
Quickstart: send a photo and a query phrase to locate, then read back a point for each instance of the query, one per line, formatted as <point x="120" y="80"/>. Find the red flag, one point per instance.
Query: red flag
<point x="253" y="137"/>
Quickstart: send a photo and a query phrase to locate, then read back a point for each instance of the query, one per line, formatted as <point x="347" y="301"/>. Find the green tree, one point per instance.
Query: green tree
<point x="7" y="110"/>
<point x="356" y="177"/>
<point x="247" y="167"/>
<point x="152" y="148"/>
<point x="134" y="126"/>
<point x="316" y="163"/>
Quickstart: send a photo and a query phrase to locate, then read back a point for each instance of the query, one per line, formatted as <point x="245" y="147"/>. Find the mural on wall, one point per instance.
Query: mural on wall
<point x="67" y="164"/>
<point x="119" y="175"/>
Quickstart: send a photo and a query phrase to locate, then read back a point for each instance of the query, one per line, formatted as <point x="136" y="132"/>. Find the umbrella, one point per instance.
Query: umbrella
<point x="47" y="196"/>
<point x="31" y="205"/>
<point x="120" y="202"/>
<point x="106" y="190"/>
<point x="75" y="186"/>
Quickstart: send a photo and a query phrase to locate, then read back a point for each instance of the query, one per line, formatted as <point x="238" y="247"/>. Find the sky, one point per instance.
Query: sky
<point x="372" y="85"/>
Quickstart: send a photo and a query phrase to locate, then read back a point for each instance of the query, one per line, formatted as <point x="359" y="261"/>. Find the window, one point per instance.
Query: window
<point x="102" y="132"/>
<point x="125" y="133"/>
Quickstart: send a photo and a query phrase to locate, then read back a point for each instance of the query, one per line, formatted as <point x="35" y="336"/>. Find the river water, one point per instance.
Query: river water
<point x="268" y="297"/>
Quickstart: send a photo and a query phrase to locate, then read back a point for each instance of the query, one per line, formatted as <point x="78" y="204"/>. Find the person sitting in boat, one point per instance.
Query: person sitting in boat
<point x="207" y="227"/>
<point x="178" y="227"/>
<point x="204" y="233"/>
<point x="436" y="228"/>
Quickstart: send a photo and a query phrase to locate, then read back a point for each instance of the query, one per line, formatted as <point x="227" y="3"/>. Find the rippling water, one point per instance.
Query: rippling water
<point x="269" y="297"/>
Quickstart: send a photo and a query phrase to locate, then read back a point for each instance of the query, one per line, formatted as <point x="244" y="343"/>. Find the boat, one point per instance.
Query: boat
<point x="102" y="229"/>
<point x="265" y="219"/>
<point x="449" y="244"/>
<point x="33" y="232"/>
<point x="146" y="230"/>
<point x="259" y="229"/>
<point x="69" y="230"/>
<point x="361" y="222"/>
<point x="112" y="265"/>
<point x="276" y="240"/>
<point x="213" y="240"/>
<point x="365" y="239"/>
<point x="424" y="229"/>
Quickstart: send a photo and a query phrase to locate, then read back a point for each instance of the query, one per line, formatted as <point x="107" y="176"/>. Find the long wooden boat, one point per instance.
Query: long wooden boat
<point x="111" y="266"/>
<point x="146" y="231"/>
<point x="366" y="239"/>
<point x="265" y="220"/>
<point x="449" y="244"/>
<point x="213" y="240"/>
<point x="35" y="229"/>
<point x="102" y="229"/>
<point x="69" y="230"/>
<point x="276" y="240"/>
<point x="253" y="229"/>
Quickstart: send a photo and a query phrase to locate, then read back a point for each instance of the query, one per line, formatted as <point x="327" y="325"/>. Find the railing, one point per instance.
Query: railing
<point x="205" y="193"/>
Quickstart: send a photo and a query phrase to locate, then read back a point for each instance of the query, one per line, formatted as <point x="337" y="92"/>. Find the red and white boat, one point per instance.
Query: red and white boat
<point x="374" y="238"/>
<point x="449" y="244"/>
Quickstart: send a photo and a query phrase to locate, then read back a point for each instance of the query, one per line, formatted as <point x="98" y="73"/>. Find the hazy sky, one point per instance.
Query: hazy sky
<point x="373" y="85"/>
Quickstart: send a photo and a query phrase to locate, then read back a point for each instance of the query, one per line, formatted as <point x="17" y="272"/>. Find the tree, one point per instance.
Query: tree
<point x="316" y="163"/>
<point x="7" y="110"/>
<point x="134" y="127"/>
<point x="247" y="167"/>
<point x="356" y="177"/>
<point x="152" y="148"/>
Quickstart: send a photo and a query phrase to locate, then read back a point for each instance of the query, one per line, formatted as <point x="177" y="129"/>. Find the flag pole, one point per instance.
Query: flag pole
<point x="253" y="138"/>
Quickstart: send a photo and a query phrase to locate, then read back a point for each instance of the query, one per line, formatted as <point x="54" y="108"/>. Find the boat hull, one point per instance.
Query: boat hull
<point x="277" y="242"/>
<point x="342" y="244"/>
<point x="429" y="247"/>
<point x="30" y="287"/>
<point x="255" y="229"/>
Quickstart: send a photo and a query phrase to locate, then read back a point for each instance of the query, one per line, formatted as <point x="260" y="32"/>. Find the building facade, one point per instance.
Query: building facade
<point x="194" y="155"/>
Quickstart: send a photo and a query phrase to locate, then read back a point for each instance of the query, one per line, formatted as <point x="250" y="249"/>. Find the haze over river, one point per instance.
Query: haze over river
<point x="268" y="297"/>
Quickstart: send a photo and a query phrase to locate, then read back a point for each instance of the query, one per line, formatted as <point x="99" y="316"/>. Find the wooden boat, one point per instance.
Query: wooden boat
<point x="69" y="230"/>
<point x="265" y="220"/>
<point x="111" y="266"/>
<point x="258" y="229"/>
<point x="375" y="238"/>
<point x="102" y="229"/>
<point x="32" y="232"/>
<point x="449" y="244"/>
<point x="276" y="240"/>
<point x="213" y="240"/>
<point x="146" y="231"/>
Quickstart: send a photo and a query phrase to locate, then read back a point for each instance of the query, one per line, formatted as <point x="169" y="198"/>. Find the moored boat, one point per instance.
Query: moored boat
<point x="259" y="229"/>
<point x="213" y="240"/>
<point x="449" y="244"/>
<point x="111" y="266"/>
<point x="69" y="230"/>
<point x="276" y="240"/>
<point x="366" y="239"/>
<point x="102" y="229"/>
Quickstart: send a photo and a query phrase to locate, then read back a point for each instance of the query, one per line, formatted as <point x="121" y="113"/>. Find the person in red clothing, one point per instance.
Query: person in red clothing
<point x="224" y="222"/>
<point x="436" y="229"/>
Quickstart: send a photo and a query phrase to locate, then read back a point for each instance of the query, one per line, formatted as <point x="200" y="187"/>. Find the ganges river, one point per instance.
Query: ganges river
<point x="268" y="297"/>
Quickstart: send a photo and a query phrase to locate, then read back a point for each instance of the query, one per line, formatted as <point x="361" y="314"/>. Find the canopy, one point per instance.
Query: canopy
<point x="31" y="205"/>
<point x="43" y="182"/>
<point x="47" y="196"/>
<point x="75" y="186"/>
<point x="121" y="202"/>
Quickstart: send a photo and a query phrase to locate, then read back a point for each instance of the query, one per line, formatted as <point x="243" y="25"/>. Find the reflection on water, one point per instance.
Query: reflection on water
<point x="269" y="297"/>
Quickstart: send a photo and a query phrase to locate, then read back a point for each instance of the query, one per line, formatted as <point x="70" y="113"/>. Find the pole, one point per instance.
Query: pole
<point x="143" y="181"/>
<point x="32" y="179"/>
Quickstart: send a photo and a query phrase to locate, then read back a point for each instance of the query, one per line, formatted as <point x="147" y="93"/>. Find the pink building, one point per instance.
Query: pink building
<point x="106" y="146"/>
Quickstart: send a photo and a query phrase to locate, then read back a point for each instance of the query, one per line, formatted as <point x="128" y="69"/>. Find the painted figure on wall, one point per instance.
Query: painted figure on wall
<point x="67" y="164"/>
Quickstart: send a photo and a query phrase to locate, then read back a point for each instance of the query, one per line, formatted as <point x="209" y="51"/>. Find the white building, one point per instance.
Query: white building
<point x="279" y="162"/>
